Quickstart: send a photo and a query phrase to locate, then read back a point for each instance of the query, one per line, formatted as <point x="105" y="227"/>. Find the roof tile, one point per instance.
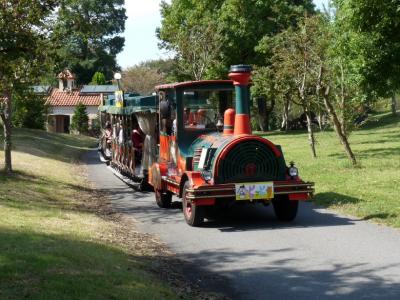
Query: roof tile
<point x="72" y="98"/>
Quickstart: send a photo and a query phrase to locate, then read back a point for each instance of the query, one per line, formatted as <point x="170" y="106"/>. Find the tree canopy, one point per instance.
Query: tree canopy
<point x="208" y="36"/>
<point x="143" y="77"/>
<point x="86" y="35"/>
<point x="376" y="25"/>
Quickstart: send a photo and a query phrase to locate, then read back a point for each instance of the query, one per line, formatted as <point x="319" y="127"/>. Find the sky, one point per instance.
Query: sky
<point x="141" y="43"/>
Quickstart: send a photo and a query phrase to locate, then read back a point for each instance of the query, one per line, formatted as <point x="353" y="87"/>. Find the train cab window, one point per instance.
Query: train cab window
<point x="204" y="108"/>
<point x="167" y="113"/>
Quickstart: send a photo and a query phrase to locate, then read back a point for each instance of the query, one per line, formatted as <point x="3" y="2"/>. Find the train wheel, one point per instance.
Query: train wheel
<point x="163" y="199"/>
<point x="144" y="186"/>
<point x="285" y="210"/>
<point x="194" y="214"/>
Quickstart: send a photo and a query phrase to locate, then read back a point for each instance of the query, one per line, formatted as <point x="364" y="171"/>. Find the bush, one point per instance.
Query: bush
<point x="80" y="119"/>
<point x="95" y="128"/>
<point x="29" y="110"/>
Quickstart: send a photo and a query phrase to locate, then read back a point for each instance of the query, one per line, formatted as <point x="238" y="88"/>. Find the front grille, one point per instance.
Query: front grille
<point x="249" y="161"/>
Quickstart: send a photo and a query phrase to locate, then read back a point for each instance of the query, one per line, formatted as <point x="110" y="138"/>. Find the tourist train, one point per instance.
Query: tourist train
<point x="194" y="140"/>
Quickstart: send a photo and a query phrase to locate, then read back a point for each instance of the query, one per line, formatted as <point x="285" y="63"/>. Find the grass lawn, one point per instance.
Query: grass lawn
<point x="371" y="190"/>
<point x="53" y="244"/>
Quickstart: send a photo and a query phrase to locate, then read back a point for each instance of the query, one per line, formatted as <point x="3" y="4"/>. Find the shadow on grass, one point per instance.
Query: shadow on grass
<point x="331" y="198"/>
<point x="370" y="153"/>
<point x="377" y="121"/>
<point x="29" y="192"/>
<point x="62" y="147"/>
<point x="381" y="216"/>
<point x="59" y="267"/>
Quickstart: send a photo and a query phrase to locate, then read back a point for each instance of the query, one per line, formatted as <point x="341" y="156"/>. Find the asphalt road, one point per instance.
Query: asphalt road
<point x="250" y="255"/>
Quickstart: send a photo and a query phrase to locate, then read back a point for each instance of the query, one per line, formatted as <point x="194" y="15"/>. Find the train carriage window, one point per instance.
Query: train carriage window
<point x="167" y="113"/>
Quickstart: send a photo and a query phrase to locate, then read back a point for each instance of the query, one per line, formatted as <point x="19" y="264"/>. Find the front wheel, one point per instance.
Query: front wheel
<point x="285" y="210"/>
<point x="163" y="199"/>
<point x="194" y="214"/>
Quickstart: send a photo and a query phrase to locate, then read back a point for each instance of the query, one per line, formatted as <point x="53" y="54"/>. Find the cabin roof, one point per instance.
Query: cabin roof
<point x="191" y="83"/>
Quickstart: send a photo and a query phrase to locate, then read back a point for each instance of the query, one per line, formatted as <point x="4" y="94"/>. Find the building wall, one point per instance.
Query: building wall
<point x="55" y="111"/>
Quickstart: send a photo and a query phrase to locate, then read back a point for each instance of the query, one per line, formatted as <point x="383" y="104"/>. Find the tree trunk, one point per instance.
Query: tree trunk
<point x="320" y="120"/>
<point x="285" y="117"/>
<point x="338" y="128"/>
<point x="307" y="111"/>
<point x="264" y="113"/>
<point x="394" y="104"/>
<point x="311" y="137"/>
<point x="6" y="117"/>
<point x="343" y="102"/>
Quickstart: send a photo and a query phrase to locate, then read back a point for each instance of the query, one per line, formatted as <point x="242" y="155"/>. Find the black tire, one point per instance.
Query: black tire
<point x="144" y="186"/>
<point x="194" y="214"/>
<point x="285" y="210"/>
<point x="163" y="199"/>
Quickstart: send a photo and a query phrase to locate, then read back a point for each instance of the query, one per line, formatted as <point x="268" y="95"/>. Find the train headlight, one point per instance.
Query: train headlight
<point x="293" y="171"/>
<point x="207" y="175"/>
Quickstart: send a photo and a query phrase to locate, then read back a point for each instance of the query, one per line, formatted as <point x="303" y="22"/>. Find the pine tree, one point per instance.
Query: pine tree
<point x="98" y="79"/>
<point x="80" y="119"/>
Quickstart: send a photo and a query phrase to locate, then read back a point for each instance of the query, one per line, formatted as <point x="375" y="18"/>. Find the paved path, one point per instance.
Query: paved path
<point x="252" y="256"/>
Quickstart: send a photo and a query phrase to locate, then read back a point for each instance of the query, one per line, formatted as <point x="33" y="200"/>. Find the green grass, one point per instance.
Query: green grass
<point x="370" y="190"/>
<point x="52" y="243"/>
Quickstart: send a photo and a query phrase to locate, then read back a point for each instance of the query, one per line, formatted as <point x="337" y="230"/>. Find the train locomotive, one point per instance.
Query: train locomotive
<point x="209" y="157"/>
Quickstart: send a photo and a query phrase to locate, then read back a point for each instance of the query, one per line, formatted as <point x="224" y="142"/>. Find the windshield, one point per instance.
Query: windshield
<point x="204" y="109"/>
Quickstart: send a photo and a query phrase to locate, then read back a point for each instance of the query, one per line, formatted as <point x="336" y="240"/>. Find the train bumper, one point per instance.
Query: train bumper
<point x="208" y="194"/>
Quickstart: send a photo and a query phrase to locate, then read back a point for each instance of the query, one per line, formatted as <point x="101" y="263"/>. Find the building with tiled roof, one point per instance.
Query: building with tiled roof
<point x="63" y="100"/>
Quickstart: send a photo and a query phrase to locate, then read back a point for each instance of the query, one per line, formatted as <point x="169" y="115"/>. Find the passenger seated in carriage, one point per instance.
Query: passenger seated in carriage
<point x="137" y="143"/>
<point x="108" y="133"/>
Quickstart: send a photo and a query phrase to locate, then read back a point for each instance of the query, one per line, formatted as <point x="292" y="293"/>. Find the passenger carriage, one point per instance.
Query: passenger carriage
<point x="119" y="150"/>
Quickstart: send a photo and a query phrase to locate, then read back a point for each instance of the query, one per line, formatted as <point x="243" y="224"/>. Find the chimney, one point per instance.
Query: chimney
<point x="66" y="80"/>
<point x="240" y="74"/>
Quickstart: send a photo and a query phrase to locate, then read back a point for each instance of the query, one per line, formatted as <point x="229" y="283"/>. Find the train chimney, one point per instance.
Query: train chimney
<point x="240" y="74"/>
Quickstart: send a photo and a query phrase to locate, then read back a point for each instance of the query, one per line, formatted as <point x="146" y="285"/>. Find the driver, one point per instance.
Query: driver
<point x="201" y="116"/>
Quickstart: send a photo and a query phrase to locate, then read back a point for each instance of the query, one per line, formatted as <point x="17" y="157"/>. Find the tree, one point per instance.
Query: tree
<point x="243" y="24"/>
<point x="29" y="110"/>
<point x="98" y="79"/>
<point x="293" y="59"/>
<point x="87" y="36"/>
<point x="80" y="119"/>
<point x="377" y="25"/>
<point x="208" y="35"/>
<point x="263" y="92"/>
<point x="196" y="43"/>
<point x="142" y="78"/>
<point x="24" y="55"/>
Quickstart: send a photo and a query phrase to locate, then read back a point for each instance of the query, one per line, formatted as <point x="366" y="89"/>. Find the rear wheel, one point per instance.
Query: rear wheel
<point x="144" y="186"/>
<point x="285" y="210"/>
<point x="163" y="199"/>
<point x="194" y="214"/>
